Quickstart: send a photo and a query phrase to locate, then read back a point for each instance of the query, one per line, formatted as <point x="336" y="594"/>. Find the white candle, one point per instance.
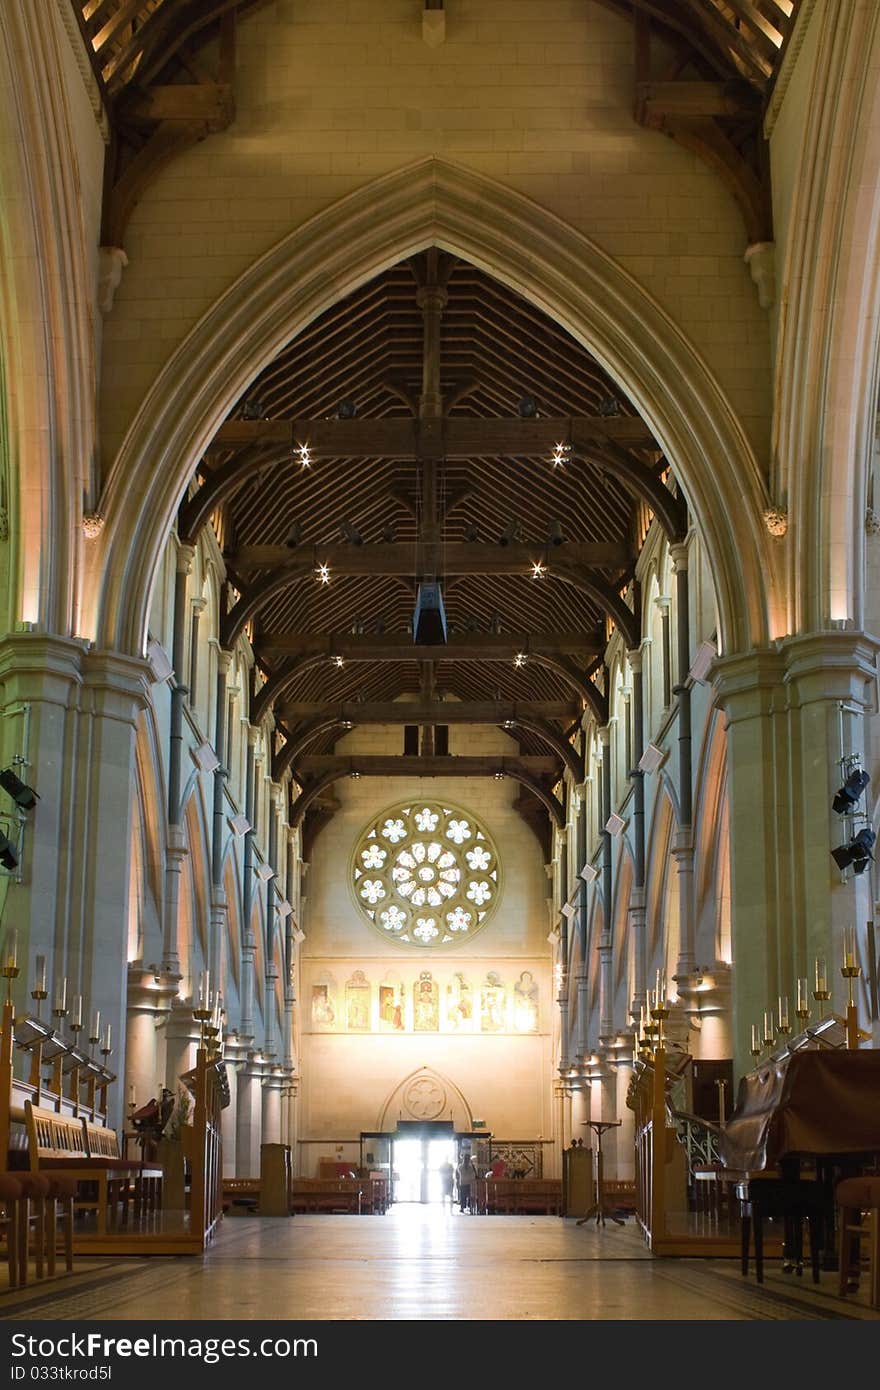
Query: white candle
<point x="802" y="991"/>
<point x="769" y="1030"/>
<point x="821" y="976"/>
<point x="61" y="997"/>
<point x="783" y="1011"/>
<point x="849" y="947"/>
<point x="96" y="1026"/>
<point x="105" y="1046"/>
<point x="12" y="948"/>
<point x="40" y="984"/>
<point x="756" y="1041"/>
<point x="77" y="1018"/>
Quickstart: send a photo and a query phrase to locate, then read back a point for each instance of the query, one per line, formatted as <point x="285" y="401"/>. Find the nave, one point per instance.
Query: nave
<point x="421" y="1263"/>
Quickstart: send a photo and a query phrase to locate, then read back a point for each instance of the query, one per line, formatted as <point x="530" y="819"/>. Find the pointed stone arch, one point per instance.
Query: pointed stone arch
<point x="519" y="243"/>
<point x="454" y="1105"/>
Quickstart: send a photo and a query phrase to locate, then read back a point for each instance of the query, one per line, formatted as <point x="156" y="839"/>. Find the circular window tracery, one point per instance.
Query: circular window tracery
<point x="426" y="874"/>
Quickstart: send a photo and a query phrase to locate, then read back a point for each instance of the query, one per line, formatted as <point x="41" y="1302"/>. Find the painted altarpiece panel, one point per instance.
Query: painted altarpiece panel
<point x="392" y="1004"/>
<point x="357" y="1003"/>
<point x="426" y="1004"/>
<point x="493" y="1001"/>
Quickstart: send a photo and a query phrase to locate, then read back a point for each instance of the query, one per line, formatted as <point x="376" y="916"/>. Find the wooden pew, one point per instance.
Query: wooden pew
<point x="57" y="1147"/>
<point x="327" y="1195"/>
<point x="102" y="1143"/>
<point x="517" y="1196"/>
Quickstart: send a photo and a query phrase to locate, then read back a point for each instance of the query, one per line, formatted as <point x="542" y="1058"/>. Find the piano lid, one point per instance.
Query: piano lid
<point x="818" y="1102"/>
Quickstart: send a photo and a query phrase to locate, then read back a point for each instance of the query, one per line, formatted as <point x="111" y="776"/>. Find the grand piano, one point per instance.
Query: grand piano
<point x="803" y="1119"/>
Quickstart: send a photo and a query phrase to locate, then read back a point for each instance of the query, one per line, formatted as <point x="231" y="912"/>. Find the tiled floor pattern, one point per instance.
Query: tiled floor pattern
<point x="421" y="1263"/>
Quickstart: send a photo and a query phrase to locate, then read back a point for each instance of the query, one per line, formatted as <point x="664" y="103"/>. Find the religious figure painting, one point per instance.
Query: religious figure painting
<point x="357" y="1003"/>
<point x="391" y="1007"/>
<point x="525" y="1003"/>
<point x="459" y="1003"/>
<point x="426" y="1004"/>
<point x="323" y="1007"/>
<point x="492" y="1004"/>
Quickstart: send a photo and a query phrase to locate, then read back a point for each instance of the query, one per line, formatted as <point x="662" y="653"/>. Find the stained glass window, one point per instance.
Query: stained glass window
<point x="426" y="874"/>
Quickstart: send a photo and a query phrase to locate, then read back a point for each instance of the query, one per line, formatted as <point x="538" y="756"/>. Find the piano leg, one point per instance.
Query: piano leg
<point x="759" y="1243"/>
<point x="745" y="1228"/>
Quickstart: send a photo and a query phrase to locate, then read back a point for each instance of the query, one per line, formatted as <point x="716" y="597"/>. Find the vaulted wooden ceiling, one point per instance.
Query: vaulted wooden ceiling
<point x="360" y="369"/>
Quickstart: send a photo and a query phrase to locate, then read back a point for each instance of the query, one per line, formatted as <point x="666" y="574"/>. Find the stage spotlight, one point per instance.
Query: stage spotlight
<point x="849" y="794"/>
<point x="24" y="797"/>
<point x="857" y="852"/>
<point x="8" y="855"/>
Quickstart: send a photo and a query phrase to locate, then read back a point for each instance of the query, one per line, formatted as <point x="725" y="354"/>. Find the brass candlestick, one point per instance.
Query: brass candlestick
<point x="10" y="972"/>
<point x="201" y="1017"/>
<point x="803" y="1000"/>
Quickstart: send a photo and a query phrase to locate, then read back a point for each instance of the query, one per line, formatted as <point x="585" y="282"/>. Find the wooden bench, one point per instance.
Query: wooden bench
<point x="57" y="1147"/>
<point x="517" y="1196"/>
<point x="103" y="1144"/>
<point x="327" y="1195"/>
<point x="240" y="1192"/>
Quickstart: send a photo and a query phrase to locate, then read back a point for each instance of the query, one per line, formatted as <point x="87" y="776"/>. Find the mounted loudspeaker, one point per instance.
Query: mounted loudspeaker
<point x="568" y="911"/>
<point x="651" y="758"/>
<point x="615" y="824"/>
<point x="589" y="873"/>
<point x="706" y="654"/>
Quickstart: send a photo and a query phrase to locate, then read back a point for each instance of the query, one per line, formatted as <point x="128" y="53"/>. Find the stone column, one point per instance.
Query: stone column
<point x="175" y="848"/>
<point x="250" y="1119"/>
<point x="182" y="1035"/>
<point x="788" y="903"/>
<point x="606" y="975"/>
<point x="637" y="927"/>
<point x="217" y="964"/>
<point x="273" y="1085"/>
<point x="149" y="998"/>
<point x="248" y="940"/>
<point x="683" y="842"/>
<point x="72" y="714"/>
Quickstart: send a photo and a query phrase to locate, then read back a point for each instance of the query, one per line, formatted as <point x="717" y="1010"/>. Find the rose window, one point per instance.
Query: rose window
<point x="426" y="874"/>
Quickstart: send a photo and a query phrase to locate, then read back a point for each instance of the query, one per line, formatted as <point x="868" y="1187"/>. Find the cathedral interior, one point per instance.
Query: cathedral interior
<point x="439" y="688"/>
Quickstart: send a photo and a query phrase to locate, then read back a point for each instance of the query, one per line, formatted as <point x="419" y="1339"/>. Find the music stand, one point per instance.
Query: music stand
<point x="599" y="1209"/>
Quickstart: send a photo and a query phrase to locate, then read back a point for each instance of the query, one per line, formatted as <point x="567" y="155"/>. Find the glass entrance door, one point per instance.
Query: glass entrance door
<point x="417" y="1164"/>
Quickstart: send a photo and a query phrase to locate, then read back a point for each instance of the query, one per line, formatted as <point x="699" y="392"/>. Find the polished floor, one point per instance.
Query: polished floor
<point x="425" y="1263"/>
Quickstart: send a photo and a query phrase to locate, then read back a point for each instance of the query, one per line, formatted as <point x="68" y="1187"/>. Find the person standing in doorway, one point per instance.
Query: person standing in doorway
<point x="467" y="1177"/>
<point x="447" y="1183"/>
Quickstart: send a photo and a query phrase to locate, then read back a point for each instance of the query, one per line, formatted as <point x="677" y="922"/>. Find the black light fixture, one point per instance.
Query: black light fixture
<point x="527" y="407"/>
<point x="253" y="410"/>
<point x="857" y="853"/>
<point x="472" y="532"/>
<point x="511" y="533"/>
<point x="389" y="532"/>
<point x="429" y="618"/>
<point x="609" y="406"/>
<point x="294" y="535"/>
<point x="849" y="794"/>
<point x="350" y="533"/>
<point x="8" y="854"/>
<point x="24" y="796"/>
<point x="554" y="533"/>
<point x="346" y="410"/>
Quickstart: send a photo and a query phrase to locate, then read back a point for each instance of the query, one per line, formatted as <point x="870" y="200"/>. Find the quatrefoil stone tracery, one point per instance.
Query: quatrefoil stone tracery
<point x="426" y="874"/>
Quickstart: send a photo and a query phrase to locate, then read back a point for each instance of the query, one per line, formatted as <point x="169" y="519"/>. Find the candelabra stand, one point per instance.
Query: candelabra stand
<point x="10" y="972"/>
<point x="850" y="973"/>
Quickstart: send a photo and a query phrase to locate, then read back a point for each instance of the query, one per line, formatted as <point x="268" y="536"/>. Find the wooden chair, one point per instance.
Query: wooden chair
<point x="858" y="1207"/>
